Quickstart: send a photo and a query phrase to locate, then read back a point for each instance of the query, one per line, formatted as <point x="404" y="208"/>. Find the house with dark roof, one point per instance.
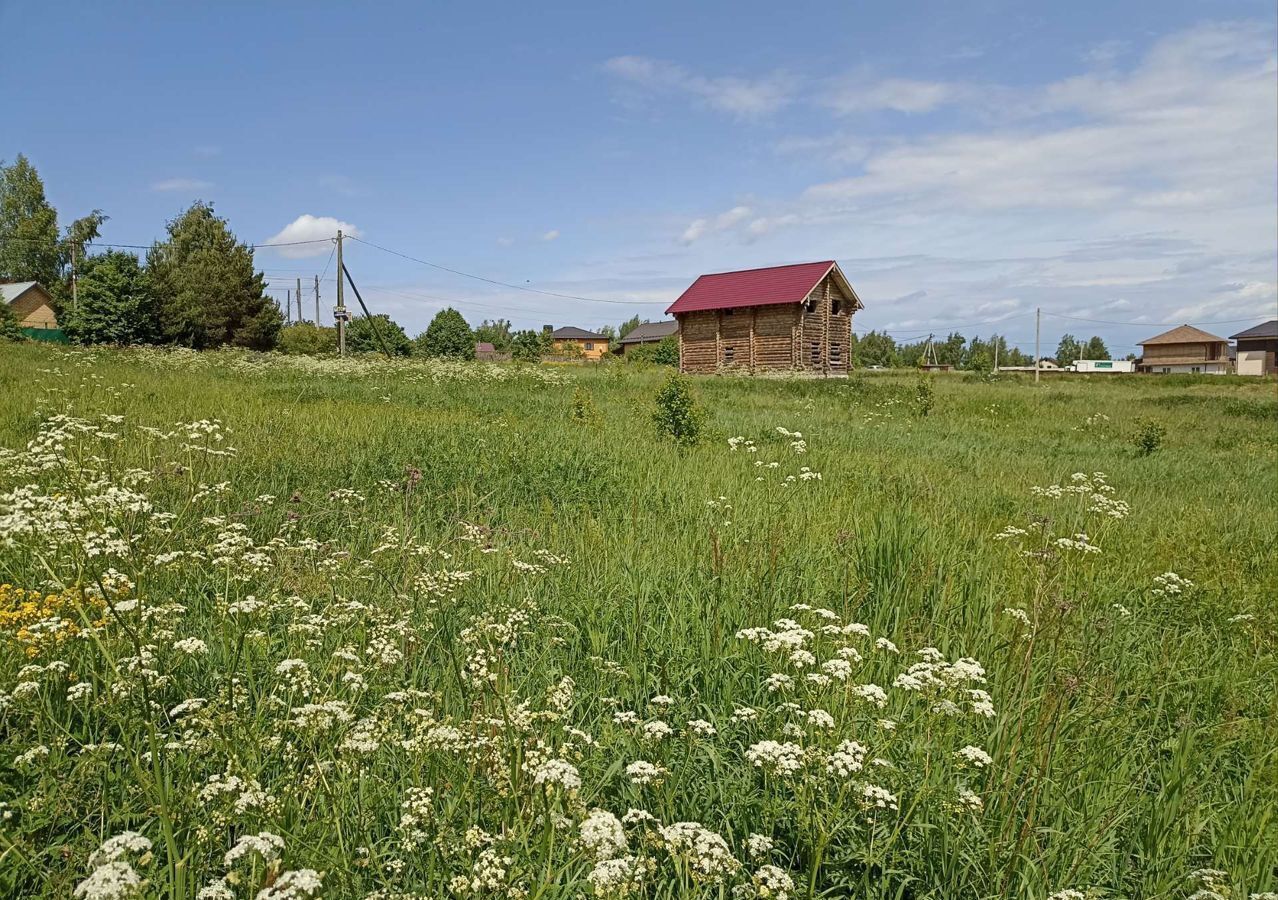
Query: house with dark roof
<point x="1257" y="349"/>
<point x="1184" y="350"/>
<point x="779" y="318"/>
<point x="647" y="333"/>
<point x="578" y="342"/>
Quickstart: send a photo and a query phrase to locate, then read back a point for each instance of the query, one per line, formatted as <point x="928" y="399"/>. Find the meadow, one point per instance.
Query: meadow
<point x="274" y="627"/>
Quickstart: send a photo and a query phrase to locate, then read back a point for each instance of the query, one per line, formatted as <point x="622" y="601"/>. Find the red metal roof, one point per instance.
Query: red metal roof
<point x="752" y="287"/>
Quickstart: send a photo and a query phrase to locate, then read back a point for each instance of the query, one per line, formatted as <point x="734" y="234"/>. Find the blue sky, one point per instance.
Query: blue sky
<point x="965" y="163"/>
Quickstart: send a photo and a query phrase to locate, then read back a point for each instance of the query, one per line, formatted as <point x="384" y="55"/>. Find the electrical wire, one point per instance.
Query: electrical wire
<point x="507" y="284"/>
<point x="1145" y="324"/>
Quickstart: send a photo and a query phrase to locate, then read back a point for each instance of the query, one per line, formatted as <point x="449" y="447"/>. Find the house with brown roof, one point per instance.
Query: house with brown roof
<point x="1257" y="349"/>
<point x="779" y="318"/>
<point x="31" y="304"/>
<point x="647" y="333"/>
<point x="578" y="342"/>
<point x="1184" y="350"/>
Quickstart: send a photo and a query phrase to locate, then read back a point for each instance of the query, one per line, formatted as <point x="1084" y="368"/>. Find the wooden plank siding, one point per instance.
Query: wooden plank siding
<point x="812" y="336"/>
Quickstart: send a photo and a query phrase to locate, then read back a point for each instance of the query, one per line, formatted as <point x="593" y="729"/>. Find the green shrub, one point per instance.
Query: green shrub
<point x="1148" y="436"/>
<point x="9" y="328"/>
<point x="529" y="346"/>
<point x="362" y="334"/>
<point x="664" y="352"/>
<point x="677" y="415"/>
<point x="308" y="339"/>
<point x="583" y="408"/>
<point x="924" y="397"/>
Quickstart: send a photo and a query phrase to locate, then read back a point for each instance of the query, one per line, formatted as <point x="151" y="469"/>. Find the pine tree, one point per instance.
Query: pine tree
<point x="205" y="286"/>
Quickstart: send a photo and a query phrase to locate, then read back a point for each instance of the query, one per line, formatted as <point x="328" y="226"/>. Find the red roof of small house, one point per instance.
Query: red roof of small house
<point x="755" y="287"/>
<point x="484" y="347"/>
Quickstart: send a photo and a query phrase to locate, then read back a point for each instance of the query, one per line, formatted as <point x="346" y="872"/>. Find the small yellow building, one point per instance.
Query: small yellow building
<point x="31" y="304"/>
<point x="579" y="342"/>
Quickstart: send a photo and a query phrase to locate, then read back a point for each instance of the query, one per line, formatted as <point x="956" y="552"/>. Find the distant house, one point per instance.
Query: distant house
<point x="796" y="317"/>
<point x="31" y="303"/>
<point x="1258" y="349"/>
<point x="589" y="344"/>
<point x="1184" y="350"/>
<point x="647" y="333"/>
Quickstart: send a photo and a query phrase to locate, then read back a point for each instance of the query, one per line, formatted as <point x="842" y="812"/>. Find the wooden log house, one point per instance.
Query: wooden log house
<point x="780" y="318"/>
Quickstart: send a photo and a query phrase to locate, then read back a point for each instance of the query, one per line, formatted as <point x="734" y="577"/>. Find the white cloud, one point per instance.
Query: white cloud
<point x="551" y="235"/>
<point x="310" y="228"/>
<point x="186" y="185"/>
<point x="904" y="95"/>
<point x="744" y="97"/>
<point x="505" y="241"/>
<point x="699" y="228"/>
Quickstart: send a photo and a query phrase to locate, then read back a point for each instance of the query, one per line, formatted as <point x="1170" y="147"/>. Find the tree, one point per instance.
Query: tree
<point x="1095" y="349"/>
<point x="448" y="335"/>
<point x="206" y="290"/>
<point x="29" y="246"/>
<point x="529" y="346"/>
<point x="664" y="352"/>
<point x="628" y="326"/>
<point x="874" y="349"/>
<point x="498" y="333"/>
<point x="115" y="305"/>
<point x="10" y="330"/>
<point x="1068" y="350"/>
<point x="307" y="338"/>
<point x="360" y="336"/>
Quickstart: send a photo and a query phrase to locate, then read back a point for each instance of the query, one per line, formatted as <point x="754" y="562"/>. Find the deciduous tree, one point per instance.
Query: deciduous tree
<point x="448" y="335"/>
<point x="115" y="305"/>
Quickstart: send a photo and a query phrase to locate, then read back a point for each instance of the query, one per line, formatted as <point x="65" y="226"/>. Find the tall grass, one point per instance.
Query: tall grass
<point x="419" y="606"/>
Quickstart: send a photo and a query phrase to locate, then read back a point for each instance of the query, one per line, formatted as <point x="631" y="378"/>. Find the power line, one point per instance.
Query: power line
<point x="507" y="284"/>
<point x="12" y="240"/>
<point x="1146" y="324"/>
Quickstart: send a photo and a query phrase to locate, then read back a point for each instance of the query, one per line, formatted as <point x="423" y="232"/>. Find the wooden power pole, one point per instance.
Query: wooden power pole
<point x="1038" y="327"/>
<point x="298" y="297"/>
<point x="288" y="305"/>
<point x="317" y="301"/>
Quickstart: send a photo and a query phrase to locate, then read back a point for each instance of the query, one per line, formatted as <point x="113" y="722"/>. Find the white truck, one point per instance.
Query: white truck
<point x="1104" y="366"/>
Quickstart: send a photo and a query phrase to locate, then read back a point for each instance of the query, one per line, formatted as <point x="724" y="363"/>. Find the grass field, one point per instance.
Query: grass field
<point x="288" y="628"/>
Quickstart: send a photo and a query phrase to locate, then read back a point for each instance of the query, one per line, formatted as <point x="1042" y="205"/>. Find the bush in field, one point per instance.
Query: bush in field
<point x="584" y="411"/>
<point x="677" y="415"/>
<point x="1148" y="436"/>
<point x="306" y="338"/>
<point x="664" y="352"/>
<point x="361" y="337"/>
<point x="447" y="336"/>
<point x="924" y="398"/>
<point x="115" y="305"/>
<point x="529" y="346"/>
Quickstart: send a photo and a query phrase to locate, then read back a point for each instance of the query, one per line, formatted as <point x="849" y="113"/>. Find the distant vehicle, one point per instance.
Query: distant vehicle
<point x="876" y="368"/>
<point x="1104" y="365"/>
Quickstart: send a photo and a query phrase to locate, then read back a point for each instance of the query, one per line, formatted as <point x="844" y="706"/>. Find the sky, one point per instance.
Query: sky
<point x="966" y="163"/>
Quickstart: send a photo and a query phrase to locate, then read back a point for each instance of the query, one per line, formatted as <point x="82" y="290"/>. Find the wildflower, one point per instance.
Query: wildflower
<point x="296" y="884"/>
<point x="776" y="758"/>
<point x="620" y="877"/>
<point x="885" y="645"/>
<point x="602" y="835"/>
<point x="701" y="728"/>
<point x="771" y="881"/>
<point x="847" y="759"/>
<point x="656" y="731"/>
<point x="119" y="847"/>
<point x="873" y="796"/>
<point x="778" y="681"/>
<point x="191" y="646"/>
<point x="759" y="846"/>
<point x="839" y="669"/>
<point x="871" y="693"/>
<point x="662" y="700"/>
<point x="705" y="851"/>
<point x="973" y="756"/>
<point x="744" y="714"/>
<point x="642" y="772"/>
<point x="558" y="773"/>
<point x="265" y="844"/>
<point x="969" y="801"/>
<point x="112" y="881"/>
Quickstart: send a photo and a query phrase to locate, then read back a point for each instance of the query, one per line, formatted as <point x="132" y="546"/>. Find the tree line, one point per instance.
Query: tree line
<point x="978" y="354"/>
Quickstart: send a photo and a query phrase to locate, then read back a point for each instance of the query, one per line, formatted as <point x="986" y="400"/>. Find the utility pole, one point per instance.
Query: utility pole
<point x="317" y="301"/>
<point x="75" y="296"/>
<point x="288" y="306"/>
<point x="298" y="297"/>
<point x="996" y="354"/>
<point x="340" y="313"/>
<point x="1038" y="327"/>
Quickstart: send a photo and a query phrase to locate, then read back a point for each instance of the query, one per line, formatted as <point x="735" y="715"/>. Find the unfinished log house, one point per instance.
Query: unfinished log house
<point x="780" y="318"/>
